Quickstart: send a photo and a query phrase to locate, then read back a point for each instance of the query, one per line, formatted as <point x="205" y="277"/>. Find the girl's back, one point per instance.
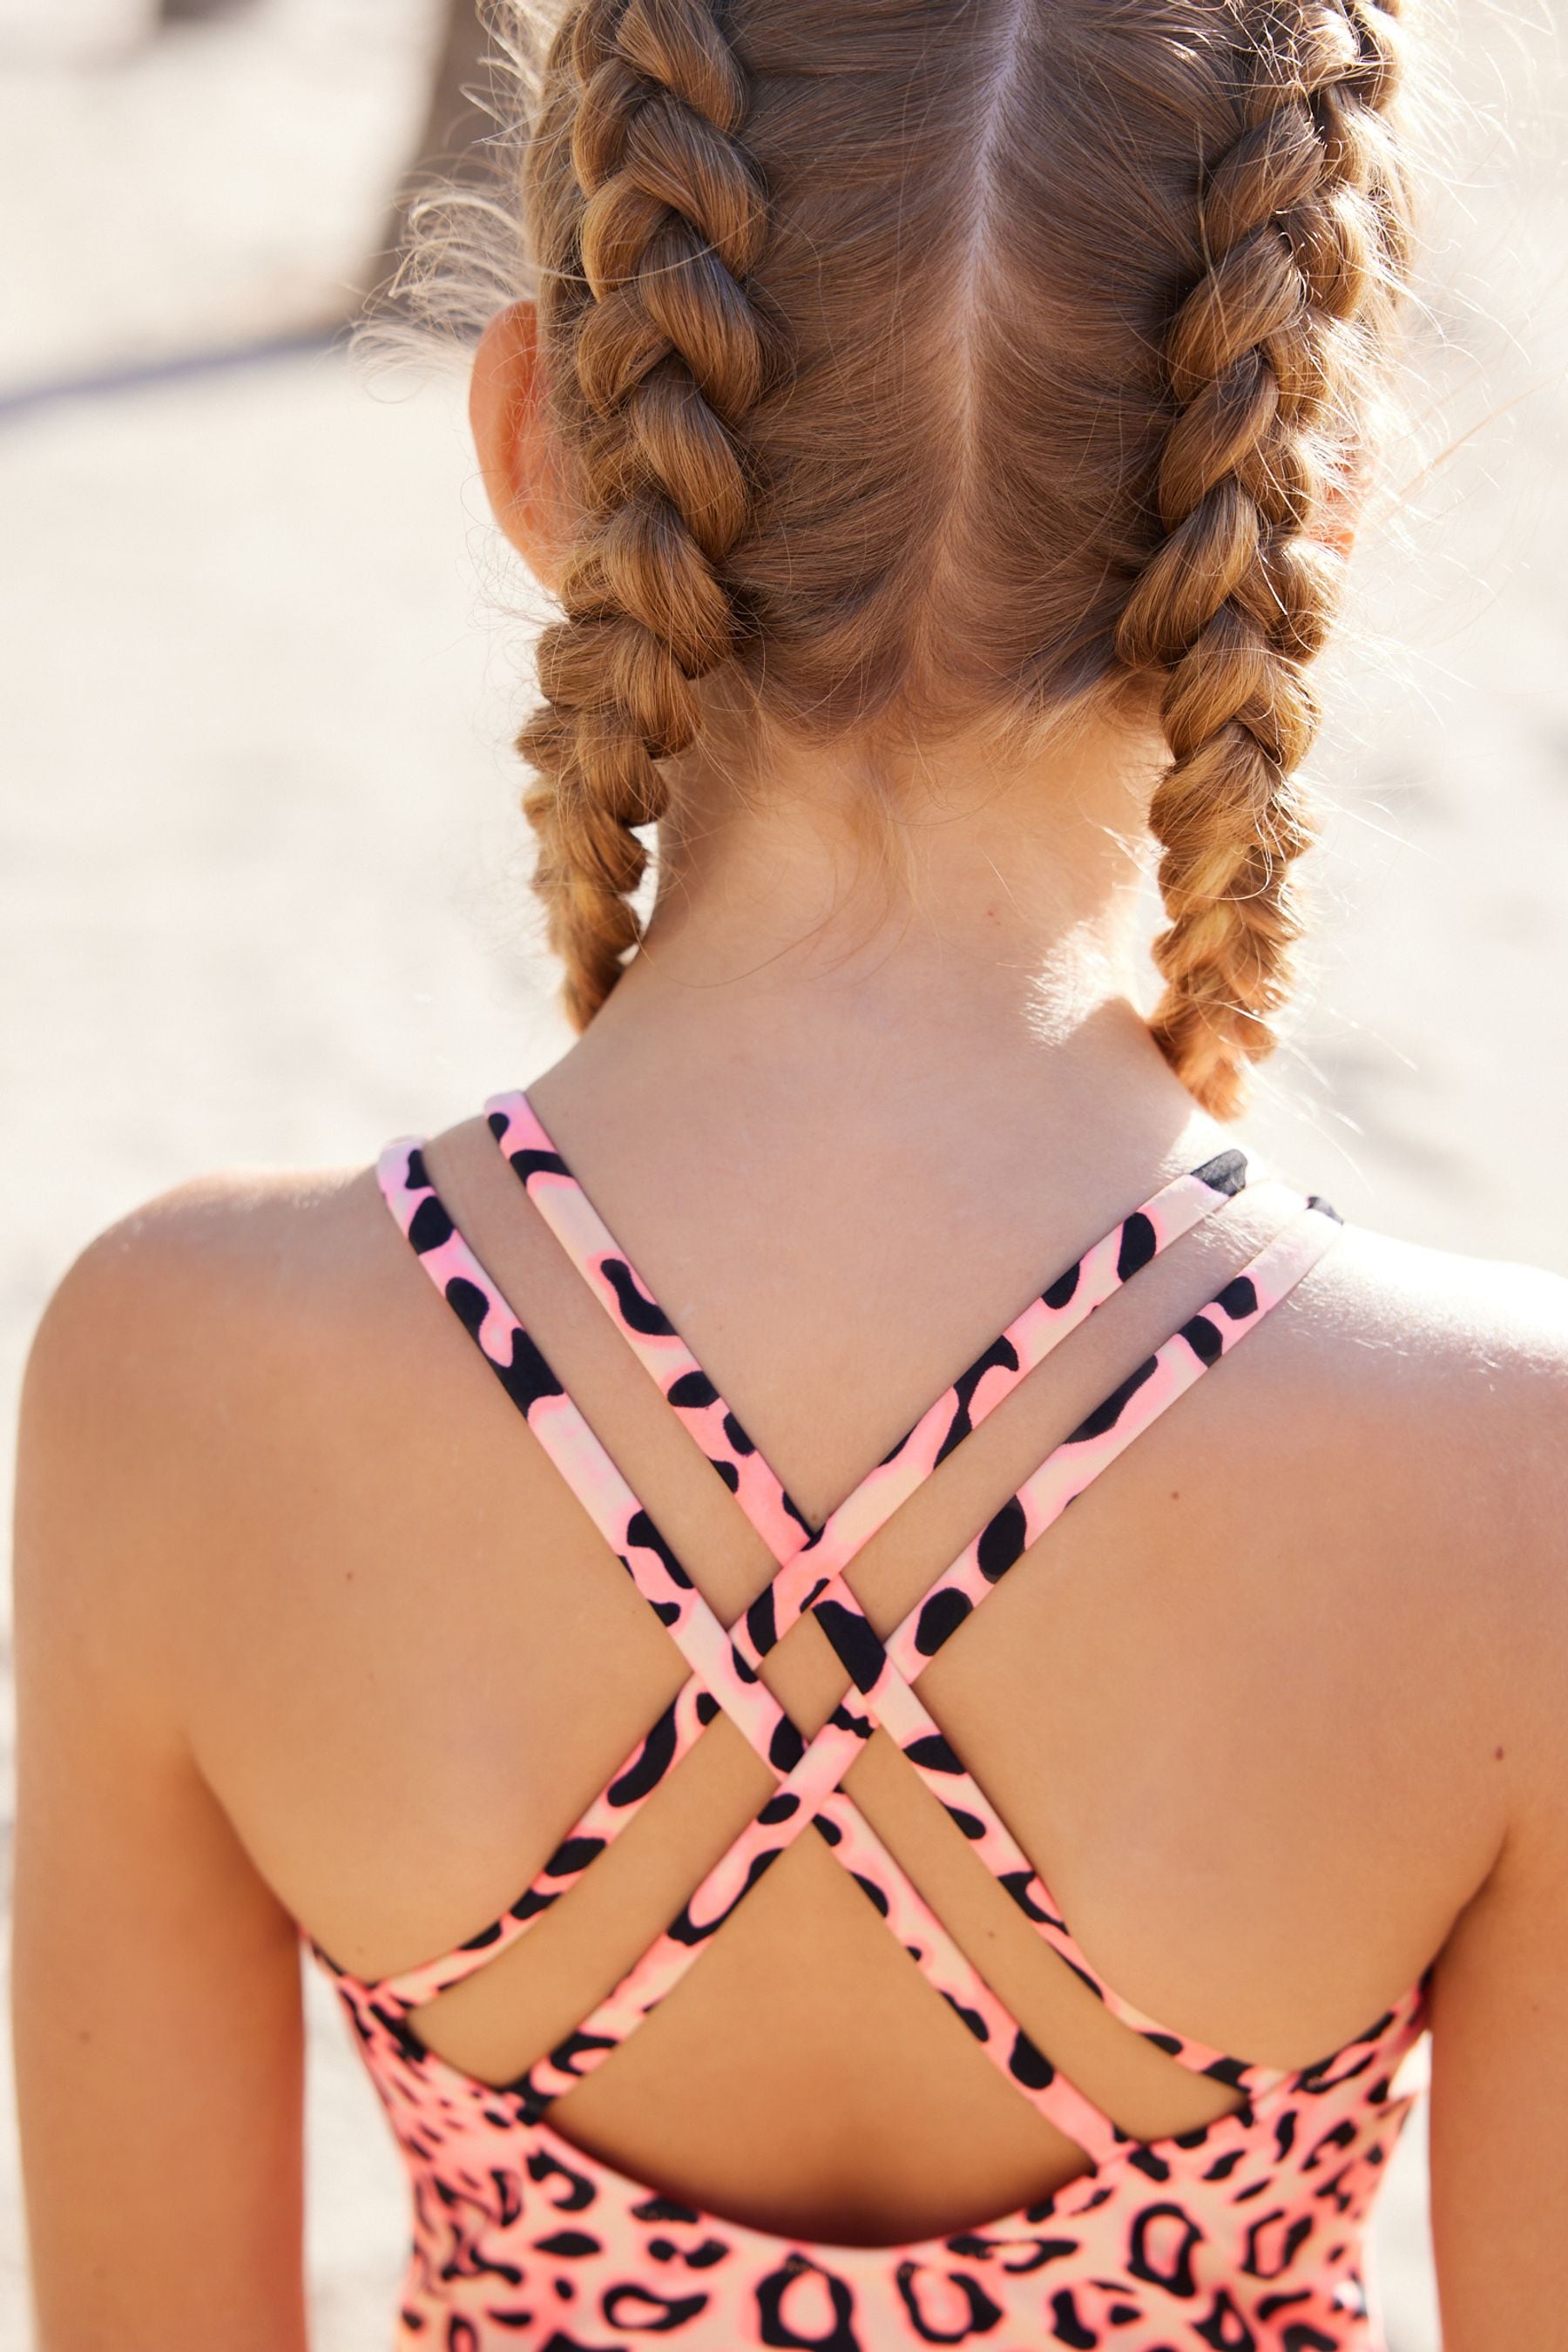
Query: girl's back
<point x="830" y="1892"/>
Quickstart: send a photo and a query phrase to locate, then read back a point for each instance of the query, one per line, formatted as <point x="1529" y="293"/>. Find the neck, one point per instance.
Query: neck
<point x="949" y="895"/>
<point x="818" y="961"/>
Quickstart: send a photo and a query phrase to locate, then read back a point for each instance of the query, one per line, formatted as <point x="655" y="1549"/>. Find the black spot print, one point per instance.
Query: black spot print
<point x="1000" y="1356"/>
<point x="1238" y="1299"/>
<point x="786" y="1747"/>
<point x="568" y="2245"/>
<point x="1002" y="1540"/>
<point x="486" y="1937"/>
<point x="526" y="1161"/>
<point x="940" y="1619"/>
<point x="1340" y="2137"/>
<point x="430" y="1227"/>
<point x="933" y="1753"/>
<point x="1343" y="2067"/>
<point x="859" y="1650"/>
<point x="1227" y="1172"/>
<point x="1109" y="1412"/>
<point x="1225" y="2327"/>
<point x="1029" y="2063"/>
<point x="924" y="2295"/>
<point x="566" y="2053"/>
<point x="1139" y="1244"/>
<point x="639" y="2310"/>
<point x="1203" y="1340"/>
<point x="527" y="1379"/>
<point x="650" y="1764"/>
<point x="643" y="1536"/>
<point x="578" y="2192"/>
<point x="1067" y="2327"/>
<point x="1063" y="1289"/>
<point x="1163" y="2244"/>
<point x="1017" y="1884"/>
<point x="784" y="2287"/>
<point x="692" y="1393"/>
<point x="1272" y="2246"/>
<point x="572" y="1855"/>
<point x="762" y="1625"/>
<point x="467" y="1303"/>
<point x="638" y="1312"/>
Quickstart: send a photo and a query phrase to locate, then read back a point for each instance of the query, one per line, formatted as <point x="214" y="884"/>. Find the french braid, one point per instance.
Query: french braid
<point x="1302" y="237"/>
<point x="645" y="296"/>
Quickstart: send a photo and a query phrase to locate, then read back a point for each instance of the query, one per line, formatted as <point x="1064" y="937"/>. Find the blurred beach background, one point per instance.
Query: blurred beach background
<point x="263" y="891"/>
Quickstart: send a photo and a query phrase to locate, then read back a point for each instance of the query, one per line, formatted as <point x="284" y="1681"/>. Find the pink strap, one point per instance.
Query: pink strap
<point x="810" y="1789"/>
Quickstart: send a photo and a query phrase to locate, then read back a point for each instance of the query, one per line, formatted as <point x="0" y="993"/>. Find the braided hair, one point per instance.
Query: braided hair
<point x="667" y="358"/>
<point x="929" y="360"/>
<point x="1237" y="597"/>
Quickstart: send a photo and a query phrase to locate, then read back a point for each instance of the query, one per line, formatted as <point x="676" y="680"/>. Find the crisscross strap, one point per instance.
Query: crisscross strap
<point x="627" y="1527"/>
<point x="1068" y="1472"/>
<point x="812" y="1563"/>
<point x="810" y="1789"/>
<point x="1045" y="1319"/>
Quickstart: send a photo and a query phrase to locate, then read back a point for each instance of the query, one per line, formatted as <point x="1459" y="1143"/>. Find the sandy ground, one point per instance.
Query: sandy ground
<point x="262" y="892"/>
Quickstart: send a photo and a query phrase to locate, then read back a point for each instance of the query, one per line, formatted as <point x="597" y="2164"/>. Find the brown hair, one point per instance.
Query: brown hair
<point x="1110" y="279"/>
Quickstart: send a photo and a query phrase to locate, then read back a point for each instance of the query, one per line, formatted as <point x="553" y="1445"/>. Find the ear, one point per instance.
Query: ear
<point x="506" y="413"/>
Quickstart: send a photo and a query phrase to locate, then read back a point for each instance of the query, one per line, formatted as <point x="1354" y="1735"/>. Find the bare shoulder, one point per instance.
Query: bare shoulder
<point x="172" y="1300"/>
<point x="184" y="1350"/>
<point x="1467" y="1351"/>
<point x="1433" y="1392"/>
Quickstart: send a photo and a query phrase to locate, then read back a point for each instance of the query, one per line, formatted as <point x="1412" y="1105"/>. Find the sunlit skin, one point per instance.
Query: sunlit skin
<point x="309" y="1630"/>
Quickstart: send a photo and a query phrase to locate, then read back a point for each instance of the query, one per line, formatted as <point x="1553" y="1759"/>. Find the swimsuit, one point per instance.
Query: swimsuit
<point x="1245" y="2235"/>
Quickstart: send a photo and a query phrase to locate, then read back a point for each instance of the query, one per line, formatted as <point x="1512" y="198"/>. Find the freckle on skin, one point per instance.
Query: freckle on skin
<point x="1497" y="1755"/>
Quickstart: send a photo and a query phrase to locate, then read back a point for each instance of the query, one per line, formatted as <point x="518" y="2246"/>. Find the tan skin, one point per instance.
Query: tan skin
<point x="309" y="1630"/>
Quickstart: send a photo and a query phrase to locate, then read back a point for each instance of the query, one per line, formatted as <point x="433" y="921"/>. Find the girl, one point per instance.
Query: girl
<point x="794" y="1882"/>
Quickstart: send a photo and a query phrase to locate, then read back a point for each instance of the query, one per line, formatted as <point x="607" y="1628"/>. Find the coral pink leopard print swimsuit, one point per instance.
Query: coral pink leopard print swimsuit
<point x="1244" y="2236"/>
